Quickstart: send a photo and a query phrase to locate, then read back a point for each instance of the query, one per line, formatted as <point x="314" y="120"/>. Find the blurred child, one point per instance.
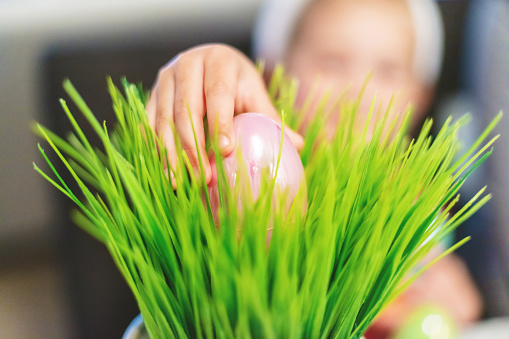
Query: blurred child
<point x="337" y="43"/>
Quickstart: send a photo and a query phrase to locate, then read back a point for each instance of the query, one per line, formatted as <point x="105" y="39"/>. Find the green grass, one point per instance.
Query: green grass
<point x="372" y="209"/>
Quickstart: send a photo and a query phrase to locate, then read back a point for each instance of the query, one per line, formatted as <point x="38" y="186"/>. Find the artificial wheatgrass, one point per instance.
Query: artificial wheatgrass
<point x="375" y="207"/>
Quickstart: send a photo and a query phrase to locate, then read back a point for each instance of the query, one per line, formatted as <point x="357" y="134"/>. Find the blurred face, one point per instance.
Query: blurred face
<point x="339" y="42"/>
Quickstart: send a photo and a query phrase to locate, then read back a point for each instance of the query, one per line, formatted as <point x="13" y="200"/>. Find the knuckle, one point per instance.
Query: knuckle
<point x="220" y="50"/>
<point x="190" y="149"/>
<point x="180" y="61"/>
<point x="180" y="108"/>
<point x="225" y="54"/>
<point x="222" y="128"/>
<point x="192" y="152"/>
<point x="162" y="125"/>
<point x="250" y="102"/>
<point x="165" y="73"/>
<point x="218" y="121"/>
<point x="182" y="58"/>
<point x="218" y="89"/>
<point x="187" y="59"/>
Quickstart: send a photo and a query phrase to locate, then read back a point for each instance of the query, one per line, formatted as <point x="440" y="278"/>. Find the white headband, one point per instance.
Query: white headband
<point x="277" y="19"/>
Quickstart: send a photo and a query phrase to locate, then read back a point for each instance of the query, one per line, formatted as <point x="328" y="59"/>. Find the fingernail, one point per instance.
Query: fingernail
<point x="223" y="141"/>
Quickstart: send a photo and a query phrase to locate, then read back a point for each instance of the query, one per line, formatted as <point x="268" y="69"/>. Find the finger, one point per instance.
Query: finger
<point x="164" y="96"/>
<point x="151" y="108"/>
<point x="257" y="100"/>
<point x="164" y="105"/>
<point x="169" y="144"/>
<point x="189" y="112"/>
<point x="220" y="86"/>
<point x="164" y="108"/>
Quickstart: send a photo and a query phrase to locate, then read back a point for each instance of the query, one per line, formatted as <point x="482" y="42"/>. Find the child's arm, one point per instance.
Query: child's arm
<point x="213" y="80"/>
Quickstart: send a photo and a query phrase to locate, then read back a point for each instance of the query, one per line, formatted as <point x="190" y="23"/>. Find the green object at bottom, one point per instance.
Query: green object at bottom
<point x="428" y="322"/>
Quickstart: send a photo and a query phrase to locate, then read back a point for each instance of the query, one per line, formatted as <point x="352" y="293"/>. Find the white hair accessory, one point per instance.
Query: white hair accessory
<point x="274" y="28"/>
<point x="429" y="39"/>
<point x="277" y="19"/>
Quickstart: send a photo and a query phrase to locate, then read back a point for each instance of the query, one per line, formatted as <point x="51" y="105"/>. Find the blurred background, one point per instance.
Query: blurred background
<point x="55" y="280"/>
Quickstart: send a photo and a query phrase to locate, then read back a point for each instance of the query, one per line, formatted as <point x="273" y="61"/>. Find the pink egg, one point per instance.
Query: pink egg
<point x="259" y="140"/>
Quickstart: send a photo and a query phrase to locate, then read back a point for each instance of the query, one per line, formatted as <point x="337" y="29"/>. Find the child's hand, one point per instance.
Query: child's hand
<point x="216" y="80"/>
